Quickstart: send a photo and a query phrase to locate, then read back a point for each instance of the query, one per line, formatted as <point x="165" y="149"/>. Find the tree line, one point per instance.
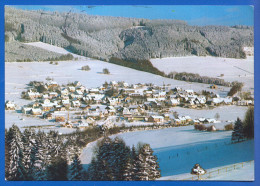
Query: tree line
<point x="192" y="77"/>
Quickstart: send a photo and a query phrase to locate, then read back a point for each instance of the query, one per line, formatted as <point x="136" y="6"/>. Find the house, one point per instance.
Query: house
<point x="127" y="114"/>
<point x="36" y="111"/>
<point x="76" y="103"/>
<point x="9" y="105"/>
<point x="189" y="91"/>
<point x="211" y="120"/>
<point x="26" y="110"/>
<point x="59" y="118"/>
<point x="47" y="107"/>
<point x="139" y="118"/>
<point x="32" y="95"/>
<point x="111" y="110"/>
<point x="64" y="91"/>
<point x="71" y="89"/>
<point x="90" y="121"/>
<point x="174" y="102"/>
<point x="77" y="83"/>
<point x="188" y="119"/>
<point x="106" y="124"/>
<point x="177" y="121"/>
<point x="82" y="124"/>
<point x="166" y="116"/>
<point x="53" y="95"/>
<point x="51" y="84"/>
<point x="66" y="102"/>
<point x="202" y="120"/>
<point x="60" y="108"/>
<point x="245" y="102"/>
<point x="156" y="119"/>
<point x="47" y="115"/>
<point x="182" y="120"/>
<point x="84" y="107"/>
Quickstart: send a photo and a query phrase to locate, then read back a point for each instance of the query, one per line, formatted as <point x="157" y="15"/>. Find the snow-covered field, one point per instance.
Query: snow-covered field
<point x="245" y="173"/>
<point x="178" y="149"/>
<point x="22" y="121"/>
<point x="53" y="48"/>
<point x="241" y="70"/>
<point x="225" y="112"/>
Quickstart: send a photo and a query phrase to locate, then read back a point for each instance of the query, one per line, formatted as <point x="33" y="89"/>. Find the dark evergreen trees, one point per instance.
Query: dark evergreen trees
<point x="57" y="170"/>
<point x="76" y="169"/>
<point x="237" y="134"/>
<point x="248" y="123"/>
<point x="116" y="161"/>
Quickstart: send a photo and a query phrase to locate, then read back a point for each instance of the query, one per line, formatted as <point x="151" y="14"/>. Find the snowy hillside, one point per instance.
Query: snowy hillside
<point x="241" y="70"/>
<point x="53" y="48"/>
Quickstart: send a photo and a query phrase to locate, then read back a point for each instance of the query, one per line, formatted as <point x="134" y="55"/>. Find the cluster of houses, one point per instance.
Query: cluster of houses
<point x="74" y="105"/>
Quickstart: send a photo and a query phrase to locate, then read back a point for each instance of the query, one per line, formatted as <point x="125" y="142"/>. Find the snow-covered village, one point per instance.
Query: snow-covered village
<point x="79" y="107"/>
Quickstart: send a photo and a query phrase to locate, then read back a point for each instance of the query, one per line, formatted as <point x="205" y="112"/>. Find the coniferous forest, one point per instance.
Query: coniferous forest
<point x="40" y="156"/>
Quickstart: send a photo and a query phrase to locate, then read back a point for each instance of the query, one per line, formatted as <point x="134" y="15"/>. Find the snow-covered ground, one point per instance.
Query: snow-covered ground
<point x="23" y="121"/>
<point x="245" y="173"/>
<point x="241" y="70"/>
<point x="178" y="149"/>
<point x="225" y="112"/>
<point x="53" y="48"/>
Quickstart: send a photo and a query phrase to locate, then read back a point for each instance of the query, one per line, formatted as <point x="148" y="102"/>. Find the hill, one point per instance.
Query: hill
<point x="129" y="39"/>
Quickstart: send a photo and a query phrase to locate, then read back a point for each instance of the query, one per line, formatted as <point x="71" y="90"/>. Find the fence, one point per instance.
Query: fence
<point x="220" y="171"/>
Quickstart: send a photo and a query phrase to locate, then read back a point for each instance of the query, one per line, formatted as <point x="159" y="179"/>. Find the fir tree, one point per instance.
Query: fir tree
<point x="248" y="123"/>
<point x="16" y="170"/>
<point x="147" y="165"/>
<point x="57" y="170"/>
<point x="237" y="133"/>
<point x="119" y="156"/>
<point x="76" y="169"/>
<point x="92" y="169"/>
<point x="29" y="152"/>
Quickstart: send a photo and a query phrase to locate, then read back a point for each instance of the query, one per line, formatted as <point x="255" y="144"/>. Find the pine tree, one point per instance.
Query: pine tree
<point x="39" y="167"/>
<point x="128" y="170"/>
<point x="237" y="133"/>
<point x="99" y="169"/>
<point x="134" y="157"/>
<point x="29" y="152"/>
<point x="248" y="123"/>
<point x="92" y="170"/>
<point x="16" y="170"/>
<point x="118" y="158"/>
<point x="57" y="170"/>
<point x="147" y="165"/>
<point x="76" y="169"/>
